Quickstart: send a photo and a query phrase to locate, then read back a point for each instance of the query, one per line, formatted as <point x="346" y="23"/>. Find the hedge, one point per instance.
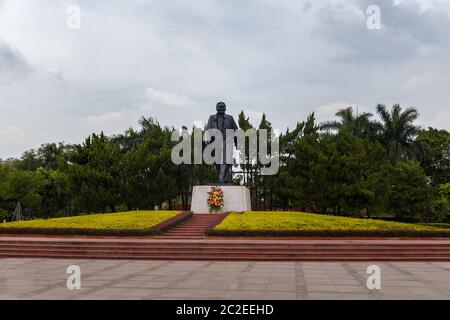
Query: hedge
<point x="156" y="229"/>
<point x="298" y="224"/>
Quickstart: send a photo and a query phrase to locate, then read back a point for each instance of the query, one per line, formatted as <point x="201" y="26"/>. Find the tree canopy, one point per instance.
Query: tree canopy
<point x="355" y="165"/>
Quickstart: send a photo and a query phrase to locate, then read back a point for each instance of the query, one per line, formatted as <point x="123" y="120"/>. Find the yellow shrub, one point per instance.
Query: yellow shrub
<point x="133" y="220"/>
<point x="308" y="221"/>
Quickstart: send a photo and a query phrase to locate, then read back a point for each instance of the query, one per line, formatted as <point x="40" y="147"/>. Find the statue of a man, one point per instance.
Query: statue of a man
<point x="222" y="122"/>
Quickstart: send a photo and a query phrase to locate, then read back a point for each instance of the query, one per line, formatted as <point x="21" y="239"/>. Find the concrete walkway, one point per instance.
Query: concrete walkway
<point x="107" y="279"/>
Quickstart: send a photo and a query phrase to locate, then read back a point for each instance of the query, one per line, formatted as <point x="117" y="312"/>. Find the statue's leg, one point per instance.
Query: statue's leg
<point x="223" y="176"/>
<point x="225" y="167"/>
<point x="218" y="169"/>
<point x="222" y="165"/>
<point x="224" y="173"/>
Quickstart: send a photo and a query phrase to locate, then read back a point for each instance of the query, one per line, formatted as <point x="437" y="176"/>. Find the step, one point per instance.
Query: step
<point x="233" y="250"/>
<point x="191" y="229"/>
<point x="222" y="252"/>
<point x="219" y="258"/>
<point x="201" y="246"/>
<point x="188" y="245"/>
<point x="207" y="243"/>
<point x="197" y="235"/>
<point x="187" y="229"/>
<point x="181" y="237"/>
<point x="181" y="233"/>
<point x="249" y="253"/>
<point x="212" y="242"/>
<point x="191" y="225"/>
<point x="159" y="248"/>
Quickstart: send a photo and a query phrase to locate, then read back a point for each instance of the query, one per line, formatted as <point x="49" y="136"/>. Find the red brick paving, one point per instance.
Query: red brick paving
<point x="187" y="242"/>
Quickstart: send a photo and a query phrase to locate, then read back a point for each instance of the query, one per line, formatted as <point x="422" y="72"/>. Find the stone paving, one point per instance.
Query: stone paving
<point x="116" y="279"/>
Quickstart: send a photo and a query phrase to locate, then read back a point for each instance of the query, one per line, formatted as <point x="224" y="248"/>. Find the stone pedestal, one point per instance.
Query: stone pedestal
<point x="235" y="198"/>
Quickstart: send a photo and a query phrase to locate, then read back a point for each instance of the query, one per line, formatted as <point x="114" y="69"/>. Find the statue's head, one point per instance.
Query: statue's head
<point x="221" y="107"/>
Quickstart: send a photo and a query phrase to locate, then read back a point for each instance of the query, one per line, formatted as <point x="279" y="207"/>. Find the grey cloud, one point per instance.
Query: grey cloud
<point x="13" y="65"/>
<point x="306" y="6"/>
<point x="405" y="29"/>
<point x="285" y="58"/>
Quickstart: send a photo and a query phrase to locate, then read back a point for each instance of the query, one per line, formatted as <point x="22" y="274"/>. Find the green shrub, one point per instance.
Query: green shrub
<point x="4" y="215"/>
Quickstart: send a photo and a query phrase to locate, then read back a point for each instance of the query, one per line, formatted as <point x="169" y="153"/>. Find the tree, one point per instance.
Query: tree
<point x="127" y="140"/>
<point x="397" y="131"/>
<point x="93" y="174"/>
<point x="441" y="203"/>
<point x="55" y="197"/>
<point x="408" y="198"/>
<point x="308" y="165"/>
<point x="24" y="187"/>
<point x="49" y="154"/>
<point x="359" y="170"/>
<point x="147" y="171"/>
<point x="283" y="186"/>
<point x="247" y="168"/>
<point x="29" y="161"/>
<point x="261" y="181"/>
<point x="352" y="123"/>
<point x="346" y="171"/>
<point x="435" y="154"/>
<point x="5" y="206"/>
<point x="334" y="173"/>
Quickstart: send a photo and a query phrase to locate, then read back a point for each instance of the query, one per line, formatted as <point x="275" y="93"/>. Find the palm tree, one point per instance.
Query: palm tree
<point x="396" y="131"/>
<point x="351" y="122"/>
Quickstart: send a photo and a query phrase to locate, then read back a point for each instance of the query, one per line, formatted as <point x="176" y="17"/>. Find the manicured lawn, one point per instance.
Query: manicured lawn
<point x="133" y="220"/>
<point x="298" y="221"/>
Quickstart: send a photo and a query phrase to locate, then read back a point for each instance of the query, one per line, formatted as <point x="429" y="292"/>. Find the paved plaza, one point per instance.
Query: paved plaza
<point x="116" y="279"/>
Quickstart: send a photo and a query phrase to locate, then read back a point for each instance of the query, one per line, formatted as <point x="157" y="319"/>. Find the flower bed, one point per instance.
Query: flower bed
<point x="133" y="223"/>
<point x="298" y="224"/>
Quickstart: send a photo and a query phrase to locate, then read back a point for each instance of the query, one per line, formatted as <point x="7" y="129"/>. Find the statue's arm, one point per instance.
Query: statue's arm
<point x="235" y="126"/>
<point x="209" y="126"/>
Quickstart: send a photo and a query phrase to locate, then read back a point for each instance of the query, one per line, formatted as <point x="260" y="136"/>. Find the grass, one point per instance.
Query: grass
<point x="133" y="220"/>
<point x="299" y="221"/>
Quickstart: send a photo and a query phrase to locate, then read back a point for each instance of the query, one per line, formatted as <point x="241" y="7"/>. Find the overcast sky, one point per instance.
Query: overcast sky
<point x="174" y="59"/>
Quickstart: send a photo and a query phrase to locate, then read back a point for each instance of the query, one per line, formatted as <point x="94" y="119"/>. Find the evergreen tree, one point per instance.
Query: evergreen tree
<point x="408" y="199"/>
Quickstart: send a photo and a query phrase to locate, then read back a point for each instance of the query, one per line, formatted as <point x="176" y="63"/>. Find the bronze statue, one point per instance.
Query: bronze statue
<point x="222" y="122"/>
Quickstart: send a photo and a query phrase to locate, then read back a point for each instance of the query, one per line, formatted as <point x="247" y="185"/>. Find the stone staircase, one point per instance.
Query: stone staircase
<point x="194" y="228"/>
<point x="175" y="248"/>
